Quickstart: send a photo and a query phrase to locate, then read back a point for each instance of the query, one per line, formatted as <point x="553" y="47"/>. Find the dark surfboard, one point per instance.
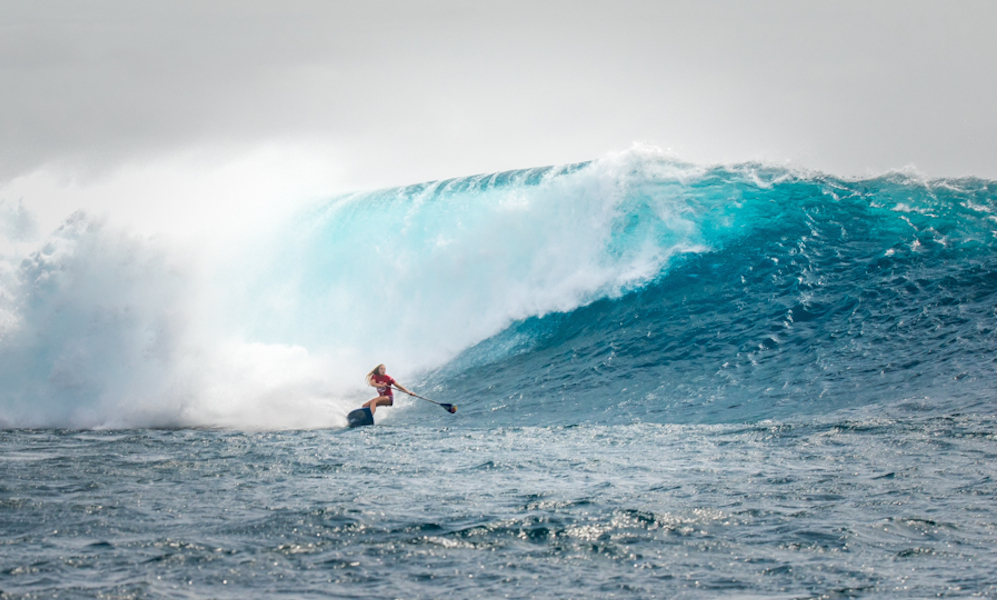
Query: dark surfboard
<point x="360" y="417"/>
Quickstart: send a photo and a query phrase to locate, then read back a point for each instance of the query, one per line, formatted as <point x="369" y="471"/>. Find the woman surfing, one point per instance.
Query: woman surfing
<point x="379" y="378"/>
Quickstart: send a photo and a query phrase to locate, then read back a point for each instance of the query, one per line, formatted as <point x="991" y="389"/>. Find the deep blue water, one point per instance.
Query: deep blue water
<point x="673" y="382"/>
<point x="853" y="505"/>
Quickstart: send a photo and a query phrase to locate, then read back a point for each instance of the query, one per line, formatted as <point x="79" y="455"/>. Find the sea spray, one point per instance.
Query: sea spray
<point x="91" y="334"/>
<point x="103" y="328"/>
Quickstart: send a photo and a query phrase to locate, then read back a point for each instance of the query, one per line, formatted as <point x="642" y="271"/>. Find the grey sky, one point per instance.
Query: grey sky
<point x="410" y="91"/>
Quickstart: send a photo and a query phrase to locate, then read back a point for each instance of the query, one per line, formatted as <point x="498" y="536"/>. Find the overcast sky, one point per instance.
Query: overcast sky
<point x="164" y="114"/>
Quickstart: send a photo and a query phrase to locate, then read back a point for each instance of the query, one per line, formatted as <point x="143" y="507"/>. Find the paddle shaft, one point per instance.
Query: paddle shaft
<point x="416" y="395"/>
<point x="450" y="407"/>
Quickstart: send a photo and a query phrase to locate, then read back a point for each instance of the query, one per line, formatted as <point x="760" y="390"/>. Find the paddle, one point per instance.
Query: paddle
<point x="450" y="408"/>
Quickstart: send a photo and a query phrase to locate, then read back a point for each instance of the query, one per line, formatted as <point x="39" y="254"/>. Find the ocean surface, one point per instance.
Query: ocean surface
<point x="673" y="381"/>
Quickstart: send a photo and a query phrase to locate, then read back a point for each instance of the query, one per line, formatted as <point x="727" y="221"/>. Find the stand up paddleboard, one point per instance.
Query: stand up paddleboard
<point x="360" y="417"/>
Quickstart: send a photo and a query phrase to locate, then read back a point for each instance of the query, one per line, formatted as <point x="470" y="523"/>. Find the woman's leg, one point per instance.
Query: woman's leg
<point x="379" y="401"/>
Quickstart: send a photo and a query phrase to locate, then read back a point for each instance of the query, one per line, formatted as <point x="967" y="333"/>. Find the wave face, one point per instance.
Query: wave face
<point x="631" y="288"/>
<point x="814" y="294"/>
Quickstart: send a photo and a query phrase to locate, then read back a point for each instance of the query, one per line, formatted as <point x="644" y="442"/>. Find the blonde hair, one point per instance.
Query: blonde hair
<point x="372" y="371"/>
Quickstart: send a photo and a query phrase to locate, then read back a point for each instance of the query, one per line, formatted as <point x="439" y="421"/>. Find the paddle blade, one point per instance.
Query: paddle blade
<point x="450" y="408"/>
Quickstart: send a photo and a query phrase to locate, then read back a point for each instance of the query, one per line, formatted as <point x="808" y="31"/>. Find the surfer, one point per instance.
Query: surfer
<point x="379" y="378"/>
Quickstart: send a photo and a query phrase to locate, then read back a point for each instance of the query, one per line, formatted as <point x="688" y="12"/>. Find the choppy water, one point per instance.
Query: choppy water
<point x="673" y="382"/>
<point x="849" y="506"/>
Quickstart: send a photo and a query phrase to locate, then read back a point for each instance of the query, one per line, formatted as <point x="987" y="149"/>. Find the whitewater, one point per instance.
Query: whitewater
<point x="673" y="381"/>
